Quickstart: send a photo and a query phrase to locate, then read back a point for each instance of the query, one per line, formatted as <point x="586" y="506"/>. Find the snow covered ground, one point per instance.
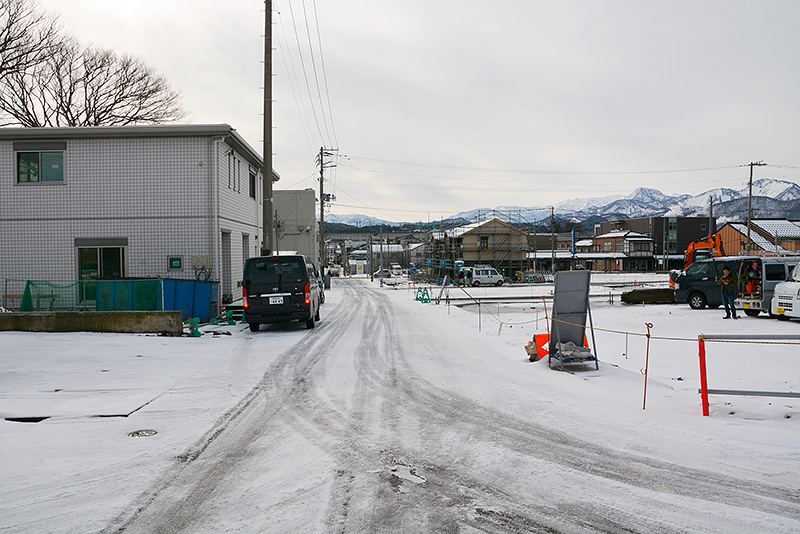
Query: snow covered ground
<point x="394" y="415"/>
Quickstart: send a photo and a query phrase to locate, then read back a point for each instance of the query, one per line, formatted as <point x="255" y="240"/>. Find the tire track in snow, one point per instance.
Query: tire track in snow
<point x="443" y="409"/>
<point x="365" y="431"/>
<point x="176" y="502"/>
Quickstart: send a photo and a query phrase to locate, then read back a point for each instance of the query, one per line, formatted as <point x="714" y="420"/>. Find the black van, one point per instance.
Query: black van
<point x="278" y="289"/>
<point x="698" y="284"/>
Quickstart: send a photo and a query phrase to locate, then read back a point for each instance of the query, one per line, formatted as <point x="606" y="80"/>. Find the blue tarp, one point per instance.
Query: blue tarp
<point x="196" y="299"/>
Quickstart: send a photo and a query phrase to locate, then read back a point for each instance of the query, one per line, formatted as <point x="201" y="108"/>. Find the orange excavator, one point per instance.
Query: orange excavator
<point x="710" y="247"/>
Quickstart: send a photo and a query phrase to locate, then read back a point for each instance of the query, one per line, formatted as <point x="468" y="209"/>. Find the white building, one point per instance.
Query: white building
<point x="296" y="222"/>
<point x="178" y="201"/>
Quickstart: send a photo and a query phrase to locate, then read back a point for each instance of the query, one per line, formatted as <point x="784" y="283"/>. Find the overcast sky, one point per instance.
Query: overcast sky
<point x="440" y="106"/>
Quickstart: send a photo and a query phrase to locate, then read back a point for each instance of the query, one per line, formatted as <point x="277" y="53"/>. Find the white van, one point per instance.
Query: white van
<point x="758" y="278"/>
<point x="396" y="269"/>
<point x="485" y="275"/>
<point x="786" y="300"/>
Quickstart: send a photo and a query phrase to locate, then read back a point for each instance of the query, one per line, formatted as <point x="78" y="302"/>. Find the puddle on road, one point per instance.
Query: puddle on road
<point x="404" y="473"/>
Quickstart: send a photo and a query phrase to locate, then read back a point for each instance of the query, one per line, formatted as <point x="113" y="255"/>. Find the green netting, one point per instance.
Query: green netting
<point x="100" y="295"/>
<point x="41" y="295"/>
<point x="128" y="295"/>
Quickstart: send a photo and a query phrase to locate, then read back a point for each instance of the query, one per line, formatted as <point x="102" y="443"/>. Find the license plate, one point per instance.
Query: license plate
<point x="746" y="306"/>
<point x="781" y="311"/>
<point x="276" y="300"/>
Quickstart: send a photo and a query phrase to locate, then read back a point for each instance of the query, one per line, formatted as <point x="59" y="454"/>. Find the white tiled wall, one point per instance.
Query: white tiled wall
<point x="152" y="191"/>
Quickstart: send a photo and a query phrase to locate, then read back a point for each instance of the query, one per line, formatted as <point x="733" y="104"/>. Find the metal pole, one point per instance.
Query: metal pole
<point x="321" y="207"/>
<point x="267" y="243"/>
<point x="750" y="209"/>
<point x="646" y="364"/>
<point x="750" y="203"/>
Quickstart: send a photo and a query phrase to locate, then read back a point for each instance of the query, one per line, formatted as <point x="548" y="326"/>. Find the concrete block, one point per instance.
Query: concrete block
<point x="129" y="322"/>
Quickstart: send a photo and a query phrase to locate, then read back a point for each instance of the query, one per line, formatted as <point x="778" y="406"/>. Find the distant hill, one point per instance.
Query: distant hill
<point x="771" y="199"/>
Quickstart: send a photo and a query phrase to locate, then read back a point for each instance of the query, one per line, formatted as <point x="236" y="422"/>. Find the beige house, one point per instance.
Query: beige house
<point x="492" y="242"/>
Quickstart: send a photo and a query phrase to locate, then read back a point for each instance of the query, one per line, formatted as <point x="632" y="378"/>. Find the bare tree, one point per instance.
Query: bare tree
<point x="25" y="35"/>
<point x="72" y="85"/>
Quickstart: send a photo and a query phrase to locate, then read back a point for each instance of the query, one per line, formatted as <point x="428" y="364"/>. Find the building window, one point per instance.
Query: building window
<point x="606" y="246"/>
<point x="238" y="184"/>
<point x="484" y="244"/>
<point x="252" y="185"/>
<point x="98" y="263"/>
<point x="37" y="167"/>
<point x="230" y="169"/>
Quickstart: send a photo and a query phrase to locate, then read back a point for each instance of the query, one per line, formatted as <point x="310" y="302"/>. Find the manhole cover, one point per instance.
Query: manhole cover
<point x="142" y="434"/>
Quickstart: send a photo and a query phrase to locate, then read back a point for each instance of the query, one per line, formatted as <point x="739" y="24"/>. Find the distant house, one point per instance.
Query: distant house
<point x="772" y="236"/>
<point x="176" y="201"/>
<point x="492" y="242"/>
<point x="637" y="249"/>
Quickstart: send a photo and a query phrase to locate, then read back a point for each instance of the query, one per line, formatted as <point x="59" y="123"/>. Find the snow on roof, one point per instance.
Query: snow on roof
<point x="458" y="231"/>
<point x="584" y="243"/>
<point x="782" y="228"/>
<point x="758" y="239"/>
<point x="563" y="254"/>
<point x="624" y="233"/>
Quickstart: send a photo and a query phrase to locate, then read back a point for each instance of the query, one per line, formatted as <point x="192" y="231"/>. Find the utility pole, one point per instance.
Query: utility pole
<point x="711" y="216"/>
<point x="323" y="153"/>
<point x="553" y="240"/>
<point x="267" y="244"/>
<point x="750" y="203"/>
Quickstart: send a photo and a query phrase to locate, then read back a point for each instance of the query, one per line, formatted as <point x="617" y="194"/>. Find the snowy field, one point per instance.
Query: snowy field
<point x="79" y="469"/>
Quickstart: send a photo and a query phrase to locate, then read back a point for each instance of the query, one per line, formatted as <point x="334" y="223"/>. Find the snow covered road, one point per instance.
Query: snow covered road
<point x="395" y="416"/>
<point x="378" y="446"/>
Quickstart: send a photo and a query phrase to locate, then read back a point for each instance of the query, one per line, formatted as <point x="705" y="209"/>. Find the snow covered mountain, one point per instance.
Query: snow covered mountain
<point x="642" y="202"/>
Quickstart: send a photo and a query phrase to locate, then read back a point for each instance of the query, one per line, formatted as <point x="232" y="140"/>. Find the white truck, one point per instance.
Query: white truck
<point x="786" y="299"/>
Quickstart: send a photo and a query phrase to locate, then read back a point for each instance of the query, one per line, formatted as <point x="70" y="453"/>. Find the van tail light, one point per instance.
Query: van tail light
<point x="244" y="298"/>
<point x="308" y="293"/>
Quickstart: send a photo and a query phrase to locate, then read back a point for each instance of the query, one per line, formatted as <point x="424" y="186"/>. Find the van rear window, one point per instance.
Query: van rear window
<point x="275" y="271"/>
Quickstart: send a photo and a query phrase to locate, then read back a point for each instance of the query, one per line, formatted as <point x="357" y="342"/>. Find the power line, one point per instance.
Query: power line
<point x="291" y="72"/>
<point x="316" y="77"/>
<point x="325" y="75"/>
<point x="530" y="171"/>
<point x="305" y="72"/>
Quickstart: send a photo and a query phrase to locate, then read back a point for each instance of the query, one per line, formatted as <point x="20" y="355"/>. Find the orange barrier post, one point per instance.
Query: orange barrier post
<point x="703" y="377"/>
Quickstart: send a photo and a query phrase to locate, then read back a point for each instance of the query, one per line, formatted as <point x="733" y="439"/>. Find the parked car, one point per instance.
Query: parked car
<point x="484" y="275"/>
<point x="321" y="284"/>
<point x="698" y="285"/>
<point x="758" y="278"/>
<point x="279" y="289"/>
<point x="382" y="273"/>
<point x="786" y="299"/>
